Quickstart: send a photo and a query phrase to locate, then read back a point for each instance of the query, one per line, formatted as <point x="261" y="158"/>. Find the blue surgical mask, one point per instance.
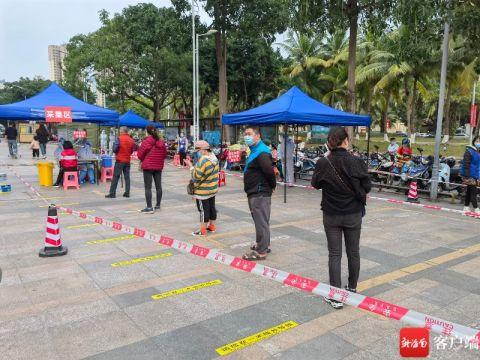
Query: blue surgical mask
<point x="196" y="156"/>
<point x="248" y="140"/>
<point x="477" y="145"/>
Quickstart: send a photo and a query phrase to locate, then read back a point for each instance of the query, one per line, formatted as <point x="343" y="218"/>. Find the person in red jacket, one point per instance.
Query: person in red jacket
<point x="68" y="161"/>
<point x="123" y="148"/>
<point x="152" y="154"/>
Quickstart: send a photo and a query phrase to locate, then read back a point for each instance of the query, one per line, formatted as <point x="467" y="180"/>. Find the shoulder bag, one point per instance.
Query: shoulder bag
<point x="344" y="184"/>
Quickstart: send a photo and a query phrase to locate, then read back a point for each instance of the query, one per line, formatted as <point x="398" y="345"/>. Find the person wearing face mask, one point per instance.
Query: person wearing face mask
<point x="205" y="181"/>
<point x="345" y="182"/>
<point x="392" y="148"/>
<point x="471" y="174"/>
<point x="259" y="184"/>
<point x="182" y="148"/>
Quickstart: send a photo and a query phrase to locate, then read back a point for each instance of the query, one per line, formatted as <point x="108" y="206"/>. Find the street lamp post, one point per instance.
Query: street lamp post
<point x="441" y="102"/>
<point x="196" y="77"/>
<point x="194" y="72"/>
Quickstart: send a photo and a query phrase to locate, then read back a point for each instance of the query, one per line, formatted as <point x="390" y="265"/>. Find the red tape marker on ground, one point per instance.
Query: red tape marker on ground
<point x="367" y="303"/>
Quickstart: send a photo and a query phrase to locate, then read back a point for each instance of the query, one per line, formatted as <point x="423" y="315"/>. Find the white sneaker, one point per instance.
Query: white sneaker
<point x="477" y="211"/>
<point x="466" y="209"/>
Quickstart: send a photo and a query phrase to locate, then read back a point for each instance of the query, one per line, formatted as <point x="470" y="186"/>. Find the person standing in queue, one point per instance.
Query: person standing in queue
<point x="471" y="174"/>
<point x="345" y="182"/>
<point x="42" y="136"/>
<point x="182" y="148"/>
<point x="205" y="183"/>
<point x="123" y="147"/>
<point x="259" y="184"/>
<point x="152" y="154"/>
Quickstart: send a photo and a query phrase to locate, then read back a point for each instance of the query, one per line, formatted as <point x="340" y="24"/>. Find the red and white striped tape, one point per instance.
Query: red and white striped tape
<point x="370" y="304"/>
<point x="360" y="301"/>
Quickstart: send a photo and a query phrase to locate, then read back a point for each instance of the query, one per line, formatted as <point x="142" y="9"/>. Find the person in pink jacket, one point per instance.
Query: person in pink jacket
<point x="152" y="154"/>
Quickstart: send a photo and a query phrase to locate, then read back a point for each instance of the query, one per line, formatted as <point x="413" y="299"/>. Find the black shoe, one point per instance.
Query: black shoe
<point x="126" y="195"/>
<point x="110" y="196"/>
<point x="350" y="289"/>
<point x="157" y="207"/>
<point x="147" y="210"/>
<point x="337" y="305"/>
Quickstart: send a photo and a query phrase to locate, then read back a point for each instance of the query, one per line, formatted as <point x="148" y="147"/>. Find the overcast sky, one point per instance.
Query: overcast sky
<point x="27" y="27"/>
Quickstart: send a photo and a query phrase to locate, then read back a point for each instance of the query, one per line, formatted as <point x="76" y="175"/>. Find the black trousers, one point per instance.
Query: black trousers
<point x="349" y="226"/>
<point x="117" y="171"/>
<point x="156" y="176"/>
<point x="61" y="172"/>
<point x="207" y="210"/>
<point x="471" y="196"/>
<point x="36" y="153"/>
<point x="183" y="156"/>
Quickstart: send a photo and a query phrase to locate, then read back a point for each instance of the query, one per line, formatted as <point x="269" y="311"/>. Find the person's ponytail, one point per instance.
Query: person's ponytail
<point x="152" y="130"/>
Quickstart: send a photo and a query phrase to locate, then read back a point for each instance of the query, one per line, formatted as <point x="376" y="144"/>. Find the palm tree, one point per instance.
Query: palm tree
<point x="304" y="52"/>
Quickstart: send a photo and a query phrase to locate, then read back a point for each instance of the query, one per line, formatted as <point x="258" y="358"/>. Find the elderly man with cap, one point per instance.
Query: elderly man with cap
<point x="205" y="182"/>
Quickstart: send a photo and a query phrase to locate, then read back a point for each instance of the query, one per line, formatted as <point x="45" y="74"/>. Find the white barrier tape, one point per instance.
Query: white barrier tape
<point x="412" y="177"/>
<point x="370" y="304"/>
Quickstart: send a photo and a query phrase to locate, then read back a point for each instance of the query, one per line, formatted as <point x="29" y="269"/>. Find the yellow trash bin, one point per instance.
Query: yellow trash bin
<point x="45" y="173"/>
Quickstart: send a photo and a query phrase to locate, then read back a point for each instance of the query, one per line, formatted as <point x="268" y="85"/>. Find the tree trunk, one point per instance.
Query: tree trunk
<point x="446" y="116"/>
<point x="352" y="7"/>
<point x="385" y="113"/>
<point x="413" y="106"/>
<point x="156" y="111"/>
<point x="409" y="106"/>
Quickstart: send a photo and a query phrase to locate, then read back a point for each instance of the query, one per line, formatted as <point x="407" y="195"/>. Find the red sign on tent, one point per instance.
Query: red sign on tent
<point x="473" y="115"/>
<point x="61" y="114"/>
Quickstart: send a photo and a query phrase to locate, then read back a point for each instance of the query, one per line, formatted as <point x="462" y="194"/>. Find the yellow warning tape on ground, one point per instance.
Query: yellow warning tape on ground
<point x="252" y="339"/>
<point x="140" y="260"/>
<point x="81" y="226"/>
<point x="109" y="240"/>
<point x="186" y="289"/>
<point x="83" y="211"/>
<point x="46" y="206"/>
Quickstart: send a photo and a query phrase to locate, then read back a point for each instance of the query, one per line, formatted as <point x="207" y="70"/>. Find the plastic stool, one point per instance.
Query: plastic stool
<point x="73" y="182"/>
<point x="107" y="174"/>
<point x="222" y="179"/>
<point x="176" y="160"/>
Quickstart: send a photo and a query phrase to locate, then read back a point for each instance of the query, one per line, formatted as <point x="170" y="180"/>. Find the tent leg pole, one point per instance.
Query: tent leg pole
<point x="296" y="157"/>
<point x="368" y="147"/>
<point x="285" y="161"/>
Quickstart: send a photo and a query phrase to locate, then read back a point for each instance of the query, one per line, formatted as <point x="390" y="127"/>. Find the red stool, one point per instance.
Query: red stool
<point x="107" y="174"/>
<point x="222" y="179"/>
<point x="70" y="179"/>
<point x="176" y="159"/>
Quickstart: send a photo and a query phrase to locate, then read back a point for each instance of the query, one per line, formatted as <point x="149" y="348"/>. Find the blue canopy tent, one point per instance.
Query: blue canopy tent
<point x="295" y="108"/>
<point x="34" y="108"/>
<point x="132" y="120"/>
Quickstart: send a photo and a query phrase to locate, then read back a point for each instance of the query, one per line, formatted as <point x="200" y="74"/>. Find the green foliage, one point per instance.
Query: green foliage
<point x="21" y="89"/>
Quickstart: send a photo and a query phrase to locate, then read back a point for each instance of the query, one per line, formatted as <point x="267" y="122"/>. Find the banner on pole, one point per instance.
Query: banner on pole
<point x="60" y="114"/>
<point x="473" y="115"/>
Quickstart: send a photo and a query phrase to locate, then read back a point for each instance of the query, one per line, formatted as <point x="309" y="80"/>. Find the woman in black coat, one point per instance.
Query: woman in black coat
<point x="345" y="182"/>
<point x="42" y="135"/>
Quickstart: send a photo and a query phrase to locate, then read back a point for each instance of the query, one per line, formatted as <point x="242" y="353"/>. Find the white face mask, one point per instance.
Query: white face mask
<point x="477" y="145"/>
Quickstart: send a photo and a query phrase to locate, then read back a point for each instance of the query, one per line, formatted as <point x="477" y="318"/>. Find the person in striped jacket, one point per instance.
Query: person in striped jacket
<point x="68" y="161"/>
<point x="205" y="177"/>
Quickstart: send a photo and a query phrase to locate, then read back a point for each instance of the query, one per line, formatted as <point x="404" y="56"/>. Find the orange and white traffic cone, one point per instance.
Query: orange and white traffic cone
<point x="53" y="241"/>
<point x="412" y="192"/>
